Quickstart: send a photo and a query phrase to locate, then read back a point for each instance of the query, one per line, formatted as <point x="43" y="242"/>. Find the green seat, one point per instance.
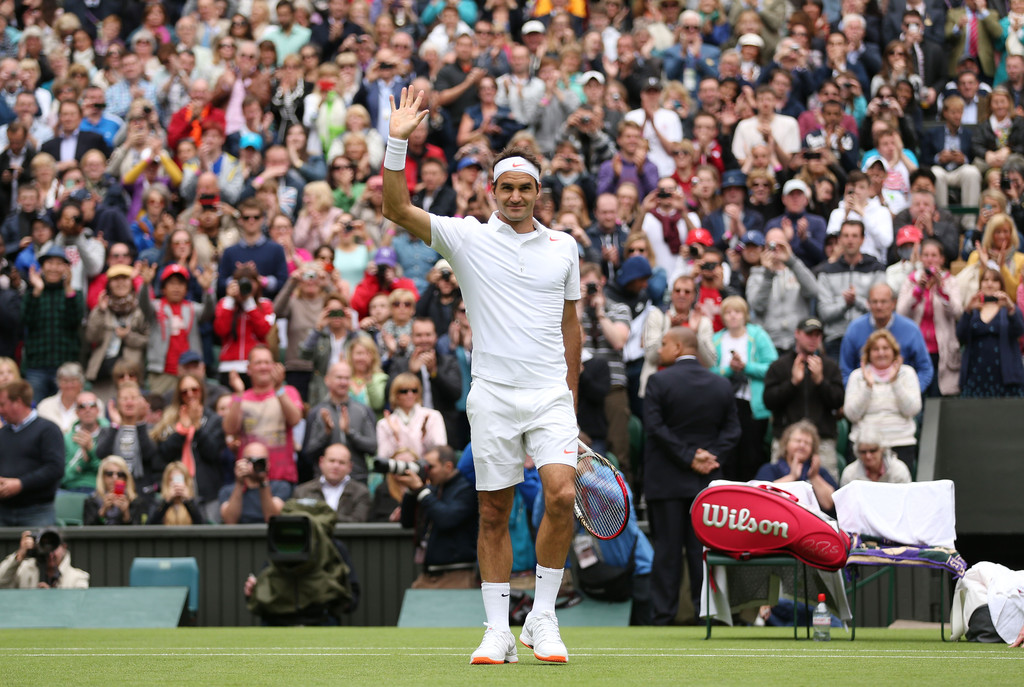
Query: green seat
<point x="780" y="560"/>
<point x="168" y="572"/>
<point x="70" y="506"/>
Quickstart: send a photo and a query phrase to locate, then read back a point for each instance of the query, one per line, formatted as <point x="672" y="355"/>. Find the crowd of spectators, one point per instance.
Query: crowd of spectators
<point x="200" y="290"/>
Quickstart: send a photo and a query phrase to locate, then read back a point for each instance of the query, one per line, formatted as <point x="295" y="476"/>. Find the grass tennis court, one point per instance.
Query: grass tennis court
<point x="600" y="656"/>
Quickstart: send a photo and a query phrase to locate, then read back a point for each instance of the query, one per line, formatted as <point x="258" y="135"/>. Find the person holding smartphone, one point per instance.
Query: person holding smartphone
<point x="115" y="501"/>
<point x="990" y="329"/>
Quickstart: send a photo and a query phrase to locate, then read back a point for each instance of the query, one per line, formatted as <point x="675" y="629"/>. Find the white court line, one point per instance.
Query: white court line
<point x="759" y="656"/>
<point x="850" y="650"/>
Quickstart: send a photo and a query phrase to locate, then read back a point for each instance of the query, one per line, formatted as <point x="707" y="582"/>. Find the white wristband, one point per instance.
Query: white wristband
<point x="394" y="158"/>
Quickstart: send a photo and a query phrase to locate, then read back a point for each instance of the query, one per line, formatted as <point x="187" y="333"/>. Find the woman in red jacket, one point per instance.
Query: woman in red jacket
<point x="243" y="319"/>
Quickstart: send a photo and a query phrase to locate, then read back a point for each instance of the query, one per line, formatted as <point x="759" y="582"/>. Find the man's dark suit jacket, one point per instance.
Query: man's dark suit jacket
<point x="933" y="142"/>
<point x="686" y="407"/>
<point x="444" y="201"/>
<point x="445" y="389"/>
<point x="6" y="193"/>
<point x="353" y="506"/>
<point x="87" y="140"/>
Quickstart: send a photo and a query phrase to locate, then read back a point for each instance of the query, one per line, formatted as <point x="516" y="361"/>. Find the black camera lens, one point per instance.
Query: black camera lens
<point x="349" y="227"/>
<point x="664" y="193"/>
<point x="245" y="286"/>
<point x="591" y="289"/>
<point x="446" y="275"/>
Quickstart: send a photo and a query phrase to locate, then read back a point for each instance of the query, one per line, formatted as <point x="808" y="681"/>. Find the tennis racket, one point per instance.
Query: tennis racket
<point x="602" y="502"/>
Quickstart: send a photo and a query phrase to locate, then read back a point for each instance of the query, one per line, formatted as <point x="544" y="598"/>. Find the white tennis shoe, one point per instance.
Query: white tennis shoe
<point x="540" y="633"/>
<point x="497" y="647"/>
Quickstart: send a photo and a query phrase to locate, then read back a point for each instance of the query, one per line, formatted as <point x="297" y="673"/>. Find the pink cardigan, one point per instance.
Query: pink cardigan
<point x="946" y="310"/>
<point x="424" y="431"/>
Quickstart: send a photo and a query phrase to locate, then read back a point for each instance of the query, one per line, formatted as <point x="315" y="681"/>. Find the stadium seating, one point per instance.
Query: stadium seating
<point x="69" y="506"/>
<point x="168" y="572"/>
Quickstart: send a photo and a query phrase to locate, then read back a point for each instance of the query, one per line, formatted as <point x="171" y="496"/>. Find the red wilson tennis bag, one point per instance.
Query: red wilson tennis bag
<point x="745" y="521"/>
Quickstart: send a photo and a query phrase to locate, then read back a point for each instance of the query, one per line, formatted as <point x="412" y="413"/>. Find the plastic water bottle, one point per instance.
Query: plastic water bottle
<point x="822" y="621"/>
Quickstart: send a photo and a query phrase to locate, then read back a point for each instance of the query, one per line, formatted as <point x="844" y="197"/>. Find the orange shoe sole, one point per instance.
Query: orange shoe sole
<point x="548" y="659"/>
<point x="483" y="660"/>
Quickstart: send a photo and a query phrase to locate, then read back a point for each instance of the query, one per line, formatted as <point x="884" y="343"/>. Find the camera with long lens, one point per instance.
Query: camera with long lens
<point x="446" y="275"/>
<point x="245" y="286"/>
<point x="394" y="466"/>
<point x="47" y="542"/>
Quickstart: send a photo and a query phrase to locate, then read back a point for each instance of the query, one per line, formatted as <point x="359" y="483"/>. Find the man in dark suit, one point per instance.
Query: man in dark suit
<point x="435" y="196"/>
<point x="948" y="150"/>
<point x="330" y="33"/>
<point x="931" y="20"/>
<point x="349" y="498"/>
<point x="690" y="417"/>
<point x="926" y="54"/>
<point x="14" y="163"/>
<point x="439" y="374"/>
<point x="342" y="420"/>
<point x="71" y="143"/>
<point x="382" y="76"/>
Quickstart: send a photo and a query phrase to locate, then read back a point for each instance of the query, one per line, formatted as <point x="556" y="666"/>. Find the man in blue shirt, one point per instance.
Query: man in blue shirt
<point x="882" y="304"/>
<point x="95" y="120"/>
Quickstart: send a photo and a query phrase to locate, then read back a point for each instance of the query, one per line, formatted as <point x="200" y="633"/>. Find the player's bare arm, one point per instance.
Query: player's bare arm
<point x="572" y="341"/>
<point x="397" y="205"/>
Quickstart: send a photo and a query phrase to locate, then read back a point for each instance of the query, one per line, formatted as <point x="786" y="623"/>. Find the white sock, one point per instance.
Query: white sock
<point x="549" y="581"/>
<point x="496" y="604"/>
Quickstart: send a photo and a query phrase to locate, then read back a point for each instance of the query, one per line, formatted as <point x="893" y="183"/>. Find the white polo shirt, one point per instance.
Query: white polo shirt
<point x="515" y="287"/>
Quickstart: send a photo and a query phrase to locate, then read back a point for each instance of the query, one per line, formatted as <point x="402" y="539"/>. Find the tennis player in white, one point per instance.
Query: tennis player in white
<point x="520" y="281"/>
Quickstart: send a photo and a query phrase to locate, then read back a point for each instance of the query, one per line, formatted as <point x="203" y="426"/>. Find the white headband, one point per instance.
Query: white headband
<point x="516" y="164"/>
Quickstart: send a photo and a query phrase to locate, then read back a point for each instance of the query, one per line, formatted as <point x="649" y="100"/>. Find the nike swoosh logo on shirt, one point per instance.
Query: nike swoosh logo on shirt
<point x="504" y="595"/>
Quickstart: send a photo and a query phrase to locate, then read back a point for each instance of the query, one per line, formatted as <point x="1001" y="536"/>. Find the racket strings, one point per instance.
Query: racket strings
<point x="601" y="503"/>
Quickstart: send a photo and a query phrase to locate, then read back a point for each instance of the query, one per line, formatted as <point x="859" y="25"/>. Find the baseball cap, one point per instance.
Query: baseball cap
<point x="811" y="324"/>
<point x="54" y="251"/>
<point x="533" y="26"/>
<point x="795" y="185"/>
<point x="871" y="160"/>
<point x="908" y="234"/>
<point x="753" y="238"/>
<point x="699" y="235"/>
<point x="174" y="271"/>
<point x="750" y="39"/>
<point x="189" y="357"/>
<point x="468" y="162"/>
<point x="635" y="267"/>
<point x="587" y="76"/>
<point x="442" y="264"/>
<point x="250" y="140"/>
<point x="652" y="83"/>
<point x="120" y="271"/>
<point x="81" y="195"/>
<point x="386" y="256"/>
<point x="734" y="177"/>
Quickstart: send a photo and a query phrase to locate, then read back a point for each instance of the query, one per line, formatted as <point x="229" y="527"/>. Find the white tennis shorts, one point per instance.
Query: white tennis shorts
<point x="509" y="423"/>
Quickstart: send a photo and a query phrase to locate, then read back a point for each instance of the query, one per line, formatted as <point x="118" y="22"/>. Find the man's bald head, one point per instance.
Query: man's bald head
<point x="677" y="341"/>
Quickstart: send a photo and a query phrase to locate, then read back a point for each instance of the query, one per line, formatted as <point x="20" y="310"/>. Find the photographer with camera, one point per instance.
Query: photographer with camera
<point x="440" y="297"/>
<point x="780" y="290"/>
<point x="243" y="319"/>
<point x="380" y="277"/>
<point x="253" y="498"/>
<point x="441" y="504"/>
<point x="42" y="565"/>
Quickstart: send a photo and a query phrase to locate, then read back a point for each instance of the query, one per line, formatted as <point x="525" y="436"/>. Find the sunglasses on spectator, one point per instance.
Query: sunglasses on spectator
<point x="691" y="27"/>
<point x="708" y="266"/>
<point x="407" y="304"/>
<point x="682" y="290"/>
<point x="760" y="184"/>
<point x="115" y="473"/>
<point x="250" y="218"/>
<point x="638" y="249"/>
<point x="189" y="390"/>
<point x="227" y="45"/>
<point x="239" y="22"/>
<point x="408" y="391"/>
<point x="87" y="406"/>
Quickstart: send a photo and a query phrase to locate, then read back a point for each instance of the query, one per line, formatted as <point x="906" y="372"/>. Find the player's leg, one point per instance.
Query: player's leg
<point x="540" y="630"/>
<point x="494" y="556"/>
<point x="498" y="460"/>
<point x="552" y="441"/>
